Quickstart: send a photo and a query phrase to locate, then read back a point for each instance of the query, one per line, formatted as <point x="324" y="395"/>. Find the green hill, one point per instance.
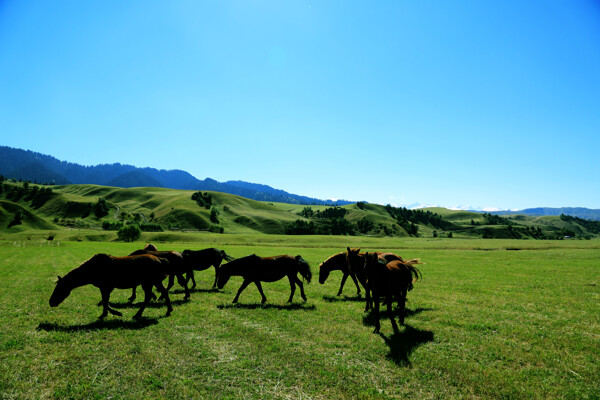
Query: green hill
<point x="69" y="207"/>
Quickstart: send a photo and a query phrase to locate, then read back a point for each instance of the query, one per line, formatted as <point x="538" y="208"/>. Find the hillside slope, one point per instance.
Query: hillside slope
<point x="26" y="206"/>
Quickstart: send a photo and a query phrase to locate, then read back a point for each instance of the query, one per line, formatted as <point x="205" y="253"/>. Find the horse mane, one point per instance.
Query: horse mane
<point x="304" y="268"/>
<point x="334" y="256"/>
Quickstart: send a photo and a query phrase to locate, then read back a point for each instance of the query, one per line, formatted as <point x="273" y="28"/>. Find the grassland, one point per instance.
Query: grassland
<point x="490" y="319"/>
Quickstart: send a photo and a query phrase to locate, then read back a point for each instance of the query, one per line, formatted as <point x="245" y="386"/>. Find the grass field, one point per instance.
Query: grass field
<point x="489" y="319"/>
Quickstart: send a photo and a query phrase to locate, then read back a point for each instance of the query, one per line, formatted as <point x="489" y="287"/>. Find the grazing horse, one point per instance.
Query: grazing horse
<point x="108" y="273"/>
<point x="178" y="268"/>
<point x="199" y="260"/>
<point x="340" y="262"/>
<point x="394" y="278"/>
<point x="337" y="262"/>
<point x="267" y="269"/>
<point x="356" y="266"/>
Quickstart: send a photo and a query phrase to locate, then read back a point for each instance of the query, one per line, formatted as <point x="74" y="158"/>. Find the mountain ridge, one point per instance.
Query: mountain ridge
<point x="43" y="168"/>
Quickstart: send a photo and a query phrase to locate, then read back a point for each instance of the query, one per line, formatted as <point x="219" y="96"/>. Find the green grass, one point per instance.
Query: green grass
<point x="490" y="319"/>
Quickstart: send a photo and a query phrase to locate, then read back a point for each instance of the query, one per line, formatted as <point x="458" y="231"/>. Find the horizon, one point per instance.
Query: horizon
<point x="490" y="106"/>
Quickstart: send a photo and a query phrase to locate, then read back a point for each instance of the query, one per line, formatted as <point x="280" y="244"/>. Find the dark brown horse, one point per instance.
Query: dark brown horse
<point x="356" y="266"/>
<point x="178" y="268"/>
<point x="108" y="273"/>
<point x="199" y="260"/>
<point x="266" y="269"/>
<point x="337" y="262"/>
<point x="389" y="279"/>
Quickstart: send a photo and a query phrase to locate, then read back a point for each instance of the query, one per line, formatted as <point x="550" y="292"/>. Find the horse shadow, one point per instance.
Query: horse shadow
<point x="152" y="304"/>
<point x="196" y="290"/>
<point x="254" y="306"/>
<point x="334" y="299"/>
<point x="401" y="343"/>
<point x="99" y="325"/>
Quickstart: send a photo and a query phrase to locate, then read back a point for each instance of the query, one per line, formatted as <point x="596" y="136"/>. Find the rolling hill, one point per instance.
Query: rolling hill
<point x="156" y="209"/>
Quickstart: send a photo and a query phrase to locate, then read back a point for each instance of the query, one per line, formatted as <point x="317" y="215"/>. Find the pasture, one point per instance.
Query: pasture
<point x="489" y="319"/>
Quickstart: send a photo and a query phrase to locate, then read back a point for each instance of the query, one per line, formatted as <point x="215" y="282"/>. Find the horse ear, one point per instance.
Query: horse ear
<point x="58" y="279"/>
<point x="348" y="249"/>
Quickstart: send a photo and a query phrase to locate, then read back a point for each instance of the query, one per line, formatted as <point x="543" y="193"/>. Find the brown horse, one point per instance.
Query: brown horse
<point x="199" y="260"/>
<point x="108" y="273"/>
<point x="337" y="262"/>
<point x="178" y="268"/>
<point x="267" y="269"/>
<point x="356" y="266"/>
<point x="394" y="278"/>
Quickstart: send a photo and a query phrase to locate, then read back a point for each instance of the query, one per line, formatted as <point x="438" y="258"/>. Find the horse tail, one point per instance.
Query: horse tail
<point x="304" y="268"/>
<point x="414" y="271"/>
<point x="226" y="256"/>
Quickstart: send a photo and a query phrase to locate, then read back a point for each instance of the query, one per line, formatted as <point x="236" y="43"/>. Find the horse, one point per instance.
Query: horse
<point x="108" y="273"/>
<point x="200" y="260"/>
<point x="267" y="269"/>
<point x="337" y="262"/>
<point x="394" y="278"/>
<point x="178" y="268"/>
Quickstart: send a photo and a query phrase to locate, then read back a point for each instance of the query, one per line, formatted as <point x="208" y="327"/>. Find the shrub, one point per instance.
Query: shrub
<point x="100" y="208"/>
<point x="129" y="233"/>
<point x="214" y="216"/>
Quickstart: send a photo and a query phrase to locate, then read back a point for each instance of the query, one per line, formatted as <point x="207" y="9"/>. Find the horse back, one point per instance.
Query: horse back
<point x="130" y="271"/>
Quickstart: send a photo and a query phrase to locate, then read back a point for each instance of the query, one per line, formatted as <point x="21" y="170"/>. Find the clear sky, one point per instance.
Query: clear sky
<point x="488" y="104"/>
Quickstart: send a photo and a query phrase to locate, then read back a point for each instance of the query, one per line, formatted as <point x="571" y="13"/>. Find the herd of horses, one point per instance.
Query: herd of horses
<point x="382" y="275"/>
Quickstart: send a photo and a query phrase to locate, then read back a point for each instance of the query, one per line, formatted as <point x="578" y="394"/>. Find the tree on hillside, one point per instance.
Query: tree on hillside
<point x="17" y="220"/>
<point x="307" y="212"/>
<point x="203" y="199"/>
<point x="129" y="233"/>
<point x="100" y="208"/>
<point x="214" y="215"/>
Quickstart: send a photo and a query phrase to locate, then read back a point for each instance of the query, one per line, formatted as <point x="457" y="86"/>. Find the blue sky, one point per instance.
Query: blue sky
<point x="489" y="104"/>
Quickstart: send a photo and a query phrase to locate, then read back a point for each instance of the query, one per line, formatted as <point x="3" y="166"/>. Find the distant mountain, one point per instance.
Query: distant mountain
<point x="41" y="168"/>
<point x="580" y="212"/>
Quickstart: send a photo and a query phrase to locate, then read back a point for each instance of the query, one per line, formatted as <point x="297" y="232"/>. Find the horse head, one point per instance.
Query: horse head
<point x="222" y="278"/>
<point x="60" y="293"/>
<point x="150" y="247"/>
<point x="355" y="261"/>
<point x="323" y="273"/>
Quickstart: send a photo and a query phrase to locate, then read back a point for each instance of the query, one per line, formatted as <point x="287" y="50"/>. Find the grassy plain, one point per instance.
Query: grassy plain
<point x="490" y="319"/>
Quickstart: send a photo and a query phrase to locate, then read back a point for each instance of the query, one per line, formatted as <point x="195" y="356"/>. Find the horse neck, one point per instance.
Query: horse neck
<point x="337" y="262"/>
<point x="77" y="277"/>
<point x="232" y="268"/>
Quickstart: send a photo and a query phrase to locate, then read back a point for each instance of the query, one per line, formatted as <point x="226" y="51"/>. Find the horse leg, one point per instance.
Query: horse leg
<point x="259" y="287"/>
<point x="292" y="280"/>
<point x="183" y="282"/>
<point x="171" y="282"/>
<point x="164" y="293"/>
<point x="241" y="289"/>
<point x="369" y="300"/>
<point x="376" y="312"/>
<point x="147" y="294"/>
<point x="356" y="283"/>
<point x="342" y="284"/>
<point x="301" y="286"/>
<point x="132" y="298"/>
<point x="106" y="308"/>
<point x="389" y="310"/>
<point x="402" y="304"/>
<point x="190" y="275"/>
<point x="216" y="276"/>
